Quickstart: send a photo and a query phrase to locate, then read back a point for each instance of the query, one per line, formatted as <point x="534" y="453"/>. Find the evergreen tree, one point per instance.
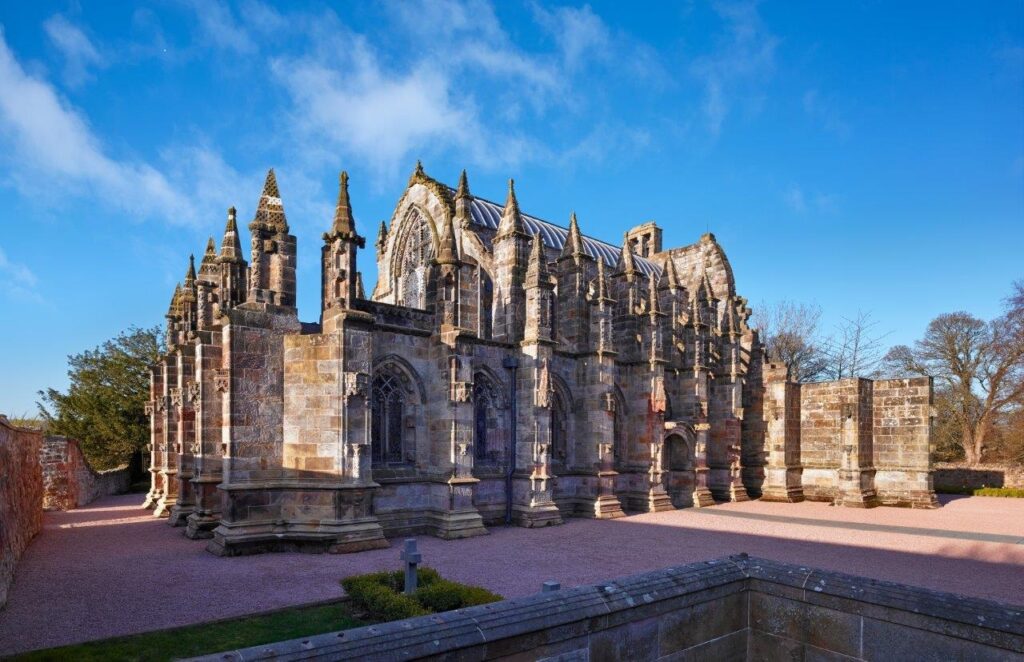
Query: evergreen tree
<point x="104" y="407"/>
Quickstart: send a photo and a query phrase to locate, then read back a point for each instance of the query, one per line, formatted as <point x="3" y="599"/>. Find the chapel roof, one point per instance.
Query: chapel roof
<point x="486" y="213"/>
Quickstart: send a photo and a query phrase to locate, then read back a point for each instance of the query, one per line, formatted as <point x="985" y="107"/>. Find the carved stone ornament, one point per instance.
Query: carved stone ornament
<point x="177" y="397"/>
<point x="608" y="401"/>
<point x="357" y="384"/>
<point x="659" y="399"/>
<point x="221" y="381"/>
<point x="543" y="393"/>
<point x="192" y="391"/>
<point x="150" y="408"/>
<point x="702" y="426"/>
<point x="461" y="391"/>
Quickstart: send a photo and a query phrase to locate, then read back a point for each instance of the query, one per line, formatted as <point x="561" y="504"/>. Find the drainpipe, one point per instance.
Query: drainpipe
<point x="511" y="364"/>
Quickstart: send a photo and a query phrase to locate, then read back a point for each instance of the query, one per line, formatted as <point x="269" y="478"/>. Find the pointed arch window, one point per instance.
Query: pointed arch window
<point x="388" y="412"/>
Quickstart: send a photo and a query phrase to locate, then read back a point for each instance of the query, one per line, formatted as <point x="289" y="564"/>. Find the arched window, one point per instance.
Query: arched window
<point x="482" y="402"/>
<point x="415" y="253"/>
<point x="388" y="405"/>
<point x="486" y="304"/>
<point x="488" y="424"/>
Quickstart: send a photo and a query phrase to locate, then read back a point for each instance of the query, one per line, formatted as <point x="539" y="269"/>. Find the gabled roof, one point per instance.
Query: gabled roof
<point x="488" y="214"/>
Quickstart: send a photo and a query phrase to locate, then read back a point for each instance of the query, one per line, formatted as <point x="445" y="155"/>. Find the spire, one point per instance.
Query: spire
<point x="669" y="276"/>
<point x="511" y="218"/>
<point x="463" y="190"/>
<point x="574" y="240"/>
<point x="231" y="246"/>
<point x="190" y="275"/>
<point x="173" y="310"/>
<point x="447" y="251"/>
<point x="627" y="263"/>
<point x="344" y="224"/>
<point x="653" y="291"/>
<point x="360" y="293"/>
<point x="537" y="268"/>
<point x="382" y="235"/>
<point x="206" y="267"/>
<point x="269" y="209"/>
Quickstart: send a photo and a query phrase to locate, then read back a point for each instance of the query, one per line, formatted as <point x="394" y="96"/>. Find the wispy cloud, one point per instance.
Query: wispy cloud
<point x="826" y="112"/>
<point x="50" y="141"/>
<point x="17" y="281"/>
<point x="743" y="58"/>
<point x="803" y="202"/>
<point x="81" y="56"/>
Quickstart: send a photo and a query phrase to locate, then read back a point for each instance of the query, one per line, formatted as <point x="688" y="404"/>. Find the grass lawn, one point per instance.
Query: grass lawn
<point x="210" y="637"/>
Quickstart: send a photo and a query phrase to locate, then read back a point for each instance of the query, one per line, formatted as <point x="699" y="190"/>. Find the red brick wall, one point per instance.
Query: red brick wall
<point x="21" y="493"/>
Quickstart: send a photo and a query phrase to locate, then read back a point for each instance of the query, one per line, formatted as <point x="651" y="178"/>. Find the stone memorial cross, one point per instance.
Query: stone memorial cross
<point x="412" y="558"/>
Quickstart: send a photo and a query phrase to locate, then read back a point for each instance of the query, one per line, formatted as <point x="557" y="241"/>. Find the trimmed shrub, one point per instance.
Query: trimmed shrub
<point x="380" y="595"/>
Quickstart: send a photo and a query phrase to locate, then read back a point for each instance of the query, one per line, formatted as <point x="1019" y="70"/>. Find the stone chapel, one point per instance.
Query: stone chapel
<point x="504" y="370"/>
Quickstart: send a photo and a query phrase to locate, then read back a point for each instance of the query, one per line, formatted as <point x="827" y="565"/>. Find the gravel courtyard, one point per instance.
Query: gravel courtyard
<point x="112" y="569"/>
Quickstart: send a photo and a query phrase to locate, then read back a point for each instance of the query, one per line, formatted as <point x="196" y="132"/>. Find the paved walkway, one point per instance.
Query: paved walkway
<point x="111" y="569"/>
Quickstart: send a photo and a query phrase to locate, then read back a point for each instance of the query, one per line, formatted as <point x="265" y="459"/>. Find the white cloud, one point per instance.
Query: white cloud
<point x="80" y="55"/>
<point x="17" y="281"/>
<point x="742" y="59"/>
<point x="50" y="147"/>
<point x="218" y="27"/>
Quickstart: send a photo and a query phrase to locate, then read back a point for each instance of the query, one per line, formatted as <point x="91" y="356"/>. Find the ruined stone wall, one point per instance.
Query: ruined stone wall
<point x="902" y="410"/>
<point x="21" y="496"/>
<point x="68" y="480"/>
<point x="867" y="437"/>
<point x="956" y="476"/>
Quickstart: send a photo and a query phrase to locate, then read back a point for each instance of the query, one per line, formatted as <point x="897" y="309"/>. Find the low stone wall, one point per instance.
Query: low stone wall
<point x="68" y="480"/>
<point x="21" y="491"/>
<point x="953" y="476"/>
<point x="737" y="608"/>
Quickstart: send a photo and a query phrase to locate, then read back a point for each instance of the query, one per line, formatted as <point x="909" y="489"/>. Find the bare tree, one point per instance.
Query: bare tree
<point x="979" y="365"/>
<point x="789" y="332"/>
<point x="855" y="349"/>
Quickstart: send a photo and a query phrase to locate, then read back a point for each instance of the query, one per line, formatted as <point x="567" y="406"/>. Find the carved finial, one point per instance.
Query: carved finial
<point x="231" y="245"/>
<point x="190" y="275"/>
<point x="344" y="224"/>
<point x="463" y="190"/>
<point x="511" y="218"/>
<point x="574" y="240"/>
<point x="419" y="167"/>
<point x="173" y="308"/>
<point x="211" y="248"/>
<point x="627" y="263"/>
<point x="537" y="268"/>
<point x="602" y="281"/>
<point x="270" y="209"/>
<point x="669" y="276"/>
<point x="447" y="251"/>
<point x="360" y="292"/>
<point x="382" y="235"/>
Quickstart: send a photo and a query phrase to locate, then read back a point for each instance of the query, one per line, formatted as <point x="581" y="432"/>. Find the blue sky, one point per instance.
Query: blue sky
<point x="863" y="156"/>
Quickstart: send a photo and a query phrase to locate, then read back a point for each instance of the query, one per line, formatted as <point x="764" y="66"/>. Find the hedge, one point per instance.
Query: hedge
<point x="380" y="595"/>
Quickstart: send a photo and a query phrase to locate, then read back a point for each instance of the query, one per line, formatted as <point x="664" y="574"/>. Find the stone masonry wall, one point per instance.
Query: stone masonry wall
<point x="955" y="476"/>
<point x="902" y="440"/>
<point x="21" y="493"/>
<point x="68" y="480"/>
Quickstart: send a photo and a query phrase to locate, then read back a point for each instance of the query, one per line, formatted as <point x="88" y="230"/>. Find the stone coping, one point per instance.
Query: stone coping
<point x="519" y="625"/>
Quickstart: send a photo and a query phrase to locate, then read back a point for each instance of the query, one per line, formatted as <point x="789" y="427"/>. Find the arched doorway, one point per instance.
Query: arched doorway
<point x="678" y="466"/>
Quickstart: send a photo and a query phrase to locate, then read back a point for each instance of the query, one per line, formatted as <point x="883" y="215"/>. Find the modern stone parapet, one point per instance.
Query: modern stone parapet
<point x="735" y="608"/>
<point x="21" y="492"/>
<point x="68" y="480"/>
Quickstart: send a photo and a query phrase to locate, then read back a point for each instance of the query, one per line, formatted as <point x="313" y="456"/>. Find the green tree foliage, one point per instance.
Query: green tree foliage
<point x="104" y="407"/>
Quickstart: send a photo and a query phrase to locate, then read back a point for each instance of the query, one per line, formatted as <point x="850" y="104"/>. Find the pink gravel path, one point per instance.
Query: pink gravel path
<point x="111" y="569"/>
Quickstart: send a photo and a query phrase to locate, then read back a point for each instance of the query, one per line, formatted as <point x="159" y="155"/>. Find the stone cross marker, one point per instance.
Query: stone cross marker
<point x="412" y="558"/>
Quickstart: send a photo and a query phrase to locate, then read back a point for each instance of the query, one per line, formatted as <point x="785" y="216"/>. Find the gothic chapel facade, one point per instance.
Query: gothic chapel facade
<point x="504" y="370"/>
